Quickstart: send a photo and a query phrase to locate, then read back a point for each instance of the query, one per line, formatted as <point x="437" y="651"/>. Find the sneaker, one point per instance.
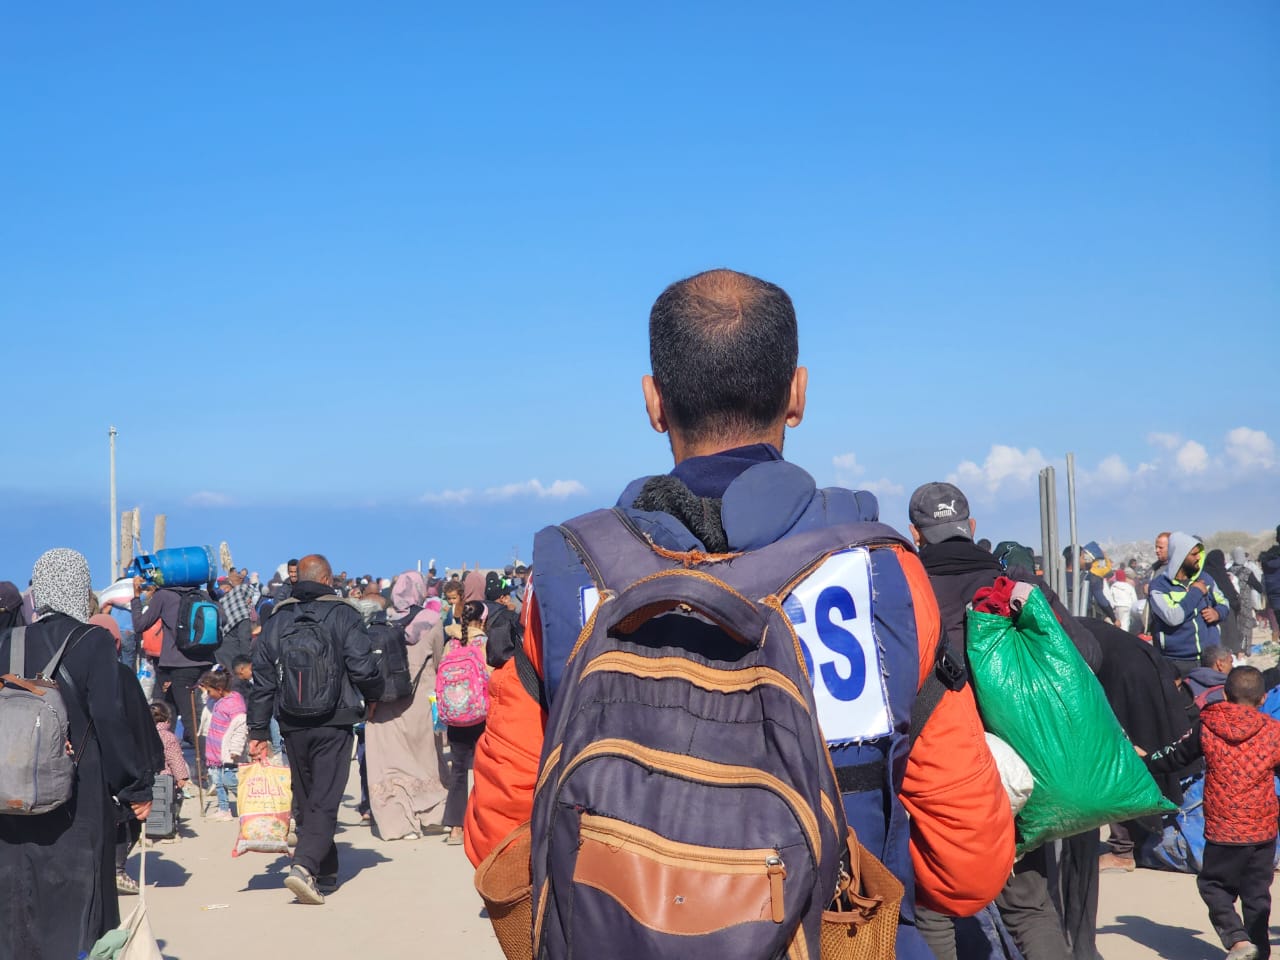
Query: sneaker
<point x="408" y="836"/>
<point x="303" y="886"/>
<point x="222" y="816"/>
<point x="455" y="837"/>
<point x="327" y="883"/>
<point x="126" y="885"/>
<point x="1242" y="951"/>
<point x="1112" y="863"/>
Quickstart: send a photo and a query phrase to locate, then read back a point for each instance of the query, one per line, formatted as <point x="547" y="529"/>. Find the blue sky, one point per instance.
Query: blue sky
<point x="376" y="282"/>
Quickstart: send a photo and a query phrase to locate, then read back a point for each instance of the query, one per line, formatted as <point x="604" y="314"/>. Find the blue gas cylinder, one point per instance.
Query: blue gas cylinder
<point x="176" y="567"/>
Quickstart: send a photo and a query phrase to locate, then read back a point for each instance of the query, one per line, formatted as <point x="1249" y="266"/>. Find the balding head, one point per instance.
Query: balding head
<point x="316" y="568"/>
<point x="724" y="347"/>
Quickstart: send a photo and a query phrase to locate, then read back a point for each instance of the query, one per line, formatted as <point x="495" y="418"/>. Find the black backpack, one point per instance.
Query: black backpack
<point x="392" y="655"/>
<point x="197" y="633"/>
<point x="309" y="670"/>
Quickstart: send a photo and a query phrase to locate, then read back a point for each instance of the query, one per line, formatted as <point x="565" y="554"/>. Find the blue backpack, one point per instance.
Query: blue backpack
<point x="197" y="633"/>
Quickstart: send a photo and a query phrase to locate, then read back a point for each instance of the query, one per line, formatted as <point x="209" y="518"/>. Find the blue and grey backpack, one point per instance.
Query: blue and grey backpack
<point x="197" y="633"/>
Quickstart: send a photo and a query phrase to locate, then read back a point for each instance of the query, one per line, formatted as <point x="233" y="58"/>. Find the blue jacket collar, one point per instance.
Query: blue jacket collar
<point x="762" y="497"/>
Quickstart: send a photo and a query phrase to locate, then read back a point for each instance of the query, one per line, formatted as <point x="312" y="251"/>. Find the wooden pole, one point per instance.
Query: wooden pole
<point x="126" y="539"/>
<point x="157" y="541"/>
<point x="195" y="740"/>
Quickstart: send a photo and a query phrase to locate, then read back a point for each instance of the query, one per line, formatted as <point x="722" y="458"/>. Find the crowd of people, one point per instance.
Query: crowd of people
<point x="503" y="677"/>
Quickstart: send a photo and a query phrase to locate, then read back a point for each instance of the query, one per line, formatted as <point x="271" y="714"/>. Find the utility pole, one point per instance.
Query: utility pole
<point x="1078" y="606"/>
<point x="115" y="539"/>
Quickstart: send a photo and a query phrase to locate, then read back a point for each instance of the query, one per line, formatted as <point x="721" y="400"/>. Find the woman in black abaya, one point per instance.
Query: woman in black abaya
<point x="57" y="870"/>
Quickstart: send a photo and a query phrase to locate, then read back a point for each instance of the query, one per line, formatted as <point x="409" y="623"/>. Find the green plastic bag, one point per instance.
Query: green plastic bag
<point x="1036" y="693"/>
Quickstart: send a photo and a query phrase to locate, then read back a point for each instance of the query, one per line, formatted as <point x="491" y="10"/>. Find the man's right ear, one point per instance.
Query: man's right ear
<point x="653" y="403"/>
<point x="915" y="535"/>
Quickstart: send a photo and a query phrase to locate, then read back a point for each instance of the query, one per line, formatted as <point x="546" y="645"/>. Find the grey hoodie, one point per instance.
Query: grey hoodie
<point x="1181" y="633"/>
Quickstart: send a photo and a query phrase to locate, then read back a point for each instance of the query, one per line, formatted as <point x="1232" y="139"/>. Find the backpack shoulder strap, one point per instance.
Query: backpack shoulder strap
<point x="55" y="663"/>
<point x="528" y="675"/>
<point x="948" y="673"/>
<point x="17" y="650"/>
<point x="613" y="551"/>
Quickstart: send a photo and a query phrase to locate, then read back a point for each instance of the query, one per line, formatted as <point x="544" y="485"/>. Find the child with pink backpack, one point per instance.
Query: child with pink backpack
<point x="462" y="699"/>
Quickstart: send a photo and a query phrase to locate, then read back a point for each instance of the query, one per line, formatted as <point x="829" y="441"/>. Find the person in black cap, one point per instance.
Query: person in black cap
<point x="943" y="530"/>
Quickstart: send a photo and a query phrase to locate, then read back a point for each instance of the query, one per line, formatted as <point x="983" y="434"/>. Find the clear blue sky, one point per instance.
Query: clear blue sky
<point x="351" y="279"/>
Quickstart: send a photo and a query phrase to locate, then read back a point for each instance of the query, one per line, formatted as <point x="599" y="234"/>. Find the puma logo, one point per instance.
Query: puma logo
<point x="944" y="511"/>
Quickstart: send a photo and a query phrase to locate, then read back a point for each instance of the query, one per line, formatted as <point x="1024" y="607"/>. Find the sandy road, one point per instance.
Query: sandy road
<point x="415" y="900"/>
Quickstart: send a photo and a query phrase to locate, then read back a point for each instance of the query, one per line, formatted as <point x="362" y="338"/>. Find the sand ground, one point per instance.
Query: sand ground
<point x="415" y="899"/>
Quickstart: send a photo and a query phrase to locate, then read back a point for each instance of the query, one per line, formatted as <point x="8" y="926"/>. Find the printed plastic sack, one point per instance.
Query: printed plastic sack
<point x="1037" y="694"/>
<point x="265" y="802"/>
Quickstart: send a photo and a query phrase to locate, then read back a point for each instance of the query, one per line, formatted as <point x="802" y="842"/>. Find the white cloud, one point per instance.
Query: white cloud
<point x="1169" y="441"/>
<point x="1250" y="448"/>
<point x="1192" y="457"/>
<point x="1112" y="471"/>
<point x="849" y="474"/>
<point x="1004" y="468"/>
<point x="884" y="487"/>
<point x="846" y="464"/>
<point x="556" y="490"/>
<point x="445" y="497"/>
<point x="208" y="498"/>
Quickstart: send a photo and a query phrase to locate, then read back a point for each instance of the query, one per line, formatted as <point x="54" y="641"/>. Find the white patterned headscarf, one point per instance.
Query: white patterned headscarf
<point x="60" y="583"/>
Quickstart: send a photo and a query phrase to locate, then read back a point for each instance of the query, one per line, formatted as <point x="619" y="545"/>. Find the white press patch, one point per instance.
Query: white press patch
<point x="832" y="615"/>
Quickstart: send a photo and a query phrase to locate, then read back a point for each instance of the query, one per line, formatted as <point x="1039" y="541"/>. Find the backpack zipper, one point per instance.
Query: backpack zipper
<point x="703" y="771"/>
<point x="714" y="680"/>
<point x="35" y="766"/>
<point x="616" y="834"/>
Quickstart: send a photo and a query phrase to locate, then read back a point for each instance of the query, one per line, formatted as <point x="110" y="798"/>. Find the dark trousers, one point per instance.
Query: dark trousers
<point x="319" y="760"/>
<point x="1242" y="872"/>
<point x="363" y="763"/>
<point x="462" y="754"/>
<point x="182" y="683"/>
<point x="1027" y="910"/>
<point x="1078" y="886"/>
<point x="236" y="642"/>
<point x="1121" y="842"/>
<point x="127" y="834"/>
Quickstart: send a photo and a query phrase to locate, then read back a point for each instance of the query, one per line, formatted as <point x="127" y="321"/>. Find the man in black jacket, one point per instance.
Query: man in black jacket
<point x="319" y="747"/>
<point x="177" y="672"/>
<point x="958" y="568"/>
<point x="501" y="626"/>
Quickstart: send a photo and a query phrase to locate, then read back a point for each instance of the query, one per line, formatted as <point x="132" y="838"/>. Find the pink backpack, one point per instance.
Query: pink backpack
<point x="462" y="685"/>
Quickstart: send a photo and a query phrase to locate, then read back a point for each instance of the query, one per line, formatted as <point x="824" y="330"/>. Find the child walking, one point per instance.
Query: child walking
<point x="1241" y="749"/>
<point x="226" y="738"/>
<point x="175" y="764"/>
<point x="462" y="696"/>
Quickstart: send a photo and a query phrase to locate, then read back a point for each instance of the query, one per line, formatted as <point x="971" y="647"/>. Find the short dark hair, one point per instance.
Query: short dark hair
<point x="724" y="347"/>
<point x="292" y="563"/>
<point x="1245" y="685"/>
<point x="1212" y="654"/>
<point x="241" y="661"/>
<point x="160" y="712"/>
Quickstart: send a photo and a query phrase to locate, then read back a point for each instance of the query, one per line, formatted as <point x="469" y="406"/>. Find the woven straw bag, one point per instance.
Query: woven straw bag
<point x="865" y="927"/>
